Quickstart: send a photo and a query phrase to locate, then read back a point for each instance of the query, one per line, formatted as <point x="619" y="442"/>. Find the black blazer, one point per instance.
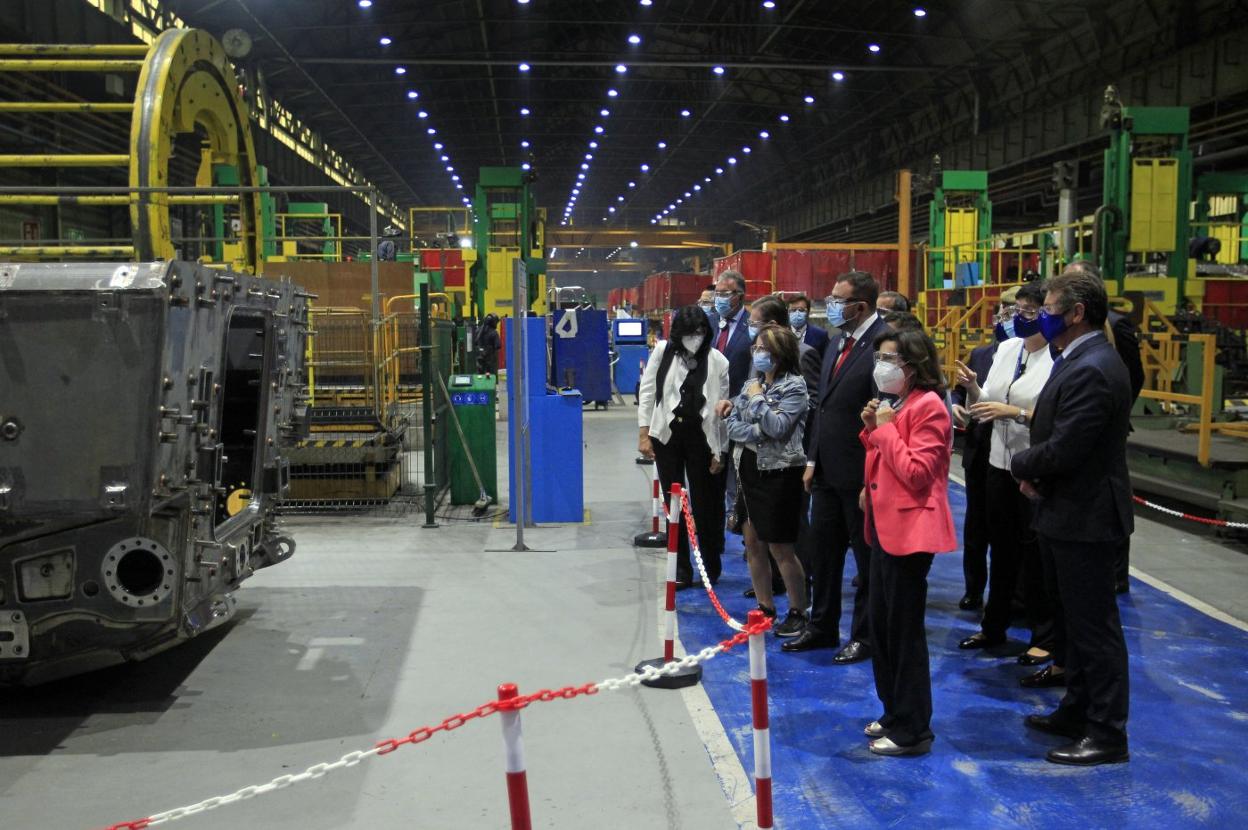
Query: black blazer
<point x="738" y="352"/>
<point x="834" y="446"/>
<point x="1078" y="453"/>
<point x="812" y="371"/>
<point x="1127" y="344"/>
<point x="816" y="338"/>
<point x="977" y="437"/>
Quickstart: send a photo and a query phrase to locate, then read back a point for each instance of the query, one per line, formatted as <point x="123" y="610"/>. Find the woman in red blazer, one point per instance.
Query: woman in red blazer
<point x="906" y="504"/>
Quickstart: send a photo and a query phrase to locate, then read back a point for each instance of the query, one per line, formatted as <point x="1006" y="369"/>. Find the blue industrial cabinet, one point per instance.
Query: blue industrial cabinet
<point x="556" y="436"/>
<point x="581" y="353"/>
<point x="629" y="336"/>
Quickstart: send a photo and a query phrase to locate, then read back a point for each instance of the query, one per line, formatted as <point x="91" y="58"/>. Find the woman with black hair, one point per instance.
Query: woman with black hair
<point x="683" y="380"/>
<point x="905" y="501"/>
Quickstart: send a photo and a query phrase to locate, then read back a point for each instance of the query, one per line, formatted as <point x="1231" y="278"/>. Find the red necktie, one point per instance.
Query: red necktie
<point x="721" y="342"/>
<point x="849" y="344"/>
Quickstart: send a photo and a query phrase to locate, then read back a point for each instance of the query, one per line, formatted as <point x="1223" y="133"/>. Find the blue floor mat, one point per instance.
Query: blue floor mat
<point x="1188" y="725"/>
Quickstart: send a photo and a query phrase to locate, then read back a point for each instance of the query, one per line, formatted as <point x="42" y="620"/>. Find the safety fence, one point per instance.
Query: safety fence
<point x="1179" y="514"/>
<point x="509" y="703"/>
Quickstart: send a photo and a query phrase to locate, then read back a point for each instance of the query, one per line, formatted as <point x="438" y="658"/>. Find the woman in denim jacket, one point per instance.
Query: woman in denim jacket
<point x="766" y="422"/>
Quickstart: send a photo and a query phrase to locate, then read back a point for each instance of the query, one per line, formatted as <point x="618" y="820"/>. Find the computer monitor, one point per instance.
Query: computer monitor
<point x="630" y="328"/>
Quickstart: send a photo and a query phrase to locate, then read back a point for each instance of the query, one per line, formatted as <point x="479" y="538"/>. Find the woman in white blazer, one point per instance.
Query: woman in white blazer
<point x="683" y="381"/>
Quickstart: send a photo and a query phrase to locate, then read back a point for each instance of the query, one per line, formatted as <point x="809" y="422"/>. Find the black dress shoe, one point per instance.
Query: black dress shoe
<point x="853" y="652"/>
<point x="808" y="640"/>
<point x="1054" y="725"/>
<point x="1026" y="659"/>
<point x="749" y="593"/>
<point x="1046" y="678"/>
<point x="1089" y="752"/>
<point x="978" y="640"/>
<point x="971" y="602"/>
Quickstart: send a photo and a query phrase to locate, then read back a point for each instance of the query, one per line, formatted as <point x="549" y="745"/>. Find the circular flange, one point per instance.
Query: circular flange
<point x="138" y="572"/>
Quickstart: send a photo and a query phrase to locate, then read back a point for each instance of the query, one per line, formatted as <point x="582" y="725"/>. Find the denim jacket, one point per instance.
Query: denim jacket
<point x="771" y="424"/>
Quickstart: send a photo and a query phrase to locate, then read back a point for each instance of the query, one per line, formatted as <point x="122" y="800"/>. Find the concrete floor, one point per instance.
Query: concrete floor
<point x="378" y="626"/>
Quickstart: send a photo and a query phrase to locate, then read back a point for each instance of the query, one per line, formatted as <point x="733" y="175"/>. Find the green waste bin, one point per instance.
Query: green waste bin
<point x="473" y="401"/>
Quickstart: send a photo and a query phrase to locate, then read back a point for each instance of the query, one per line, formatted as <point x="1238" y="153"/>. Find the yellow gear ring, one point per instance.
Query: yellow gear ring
<point x="187" y="82"/>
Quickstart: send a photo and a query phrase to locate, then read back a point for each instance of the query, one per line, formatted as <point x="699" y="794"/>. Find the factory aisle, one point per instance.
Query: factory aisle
<point x="374" y="628"/>
<point x="1188" y="727"/>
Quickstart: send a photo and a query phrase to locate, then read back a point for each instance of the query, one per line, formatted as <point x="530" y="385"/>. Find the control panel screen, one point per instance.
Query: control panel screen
<point x="630" y="328"/>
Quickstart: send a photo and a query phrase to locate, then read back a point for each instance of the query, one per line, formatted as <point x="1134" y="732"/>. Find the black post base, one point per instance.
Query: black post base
<point x="684" y="678"/>
<point x="656" y="539"/>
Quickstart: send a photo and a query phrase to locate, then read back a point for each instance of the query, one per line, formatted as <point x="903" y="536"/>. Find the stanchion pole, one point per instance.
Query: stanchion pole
<point x="517" y="781"/>
<point x="688" y="676"/>
<point x="762" y="722"/>
<point x="655" y="538"/>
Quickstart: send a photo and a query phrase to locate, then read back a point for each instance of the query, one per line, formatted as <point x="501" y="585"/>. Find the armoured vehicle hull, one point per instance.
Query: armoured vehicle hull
<point x="143" y="411"/>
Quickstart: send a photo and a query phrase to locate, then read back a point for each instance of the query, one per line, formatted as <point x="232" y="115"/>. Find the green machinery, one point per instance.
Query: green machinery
<point x="960" y="216"/>
<point x="1147" y="190"/>
<point x="506" y="226"/>
<point x="224" y="218"/>
<point x="473" y="449"/>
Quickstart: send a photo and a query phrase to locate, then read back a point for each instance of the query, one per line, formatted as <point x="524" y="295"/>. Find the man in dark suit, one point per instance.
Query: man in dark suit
<point x="1076" y="471"/>
<point x="1126" y="338"/>
<point x="799" y="318"/>
<point x="834" y="468"/>
<point x="732" y="335"/>
<point x="976" y="438"/>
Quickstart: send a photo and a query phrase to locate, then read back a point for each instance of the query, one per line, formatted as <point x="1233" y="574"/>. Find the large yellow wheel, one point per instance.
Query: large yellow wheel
<point x="187" y="85"/>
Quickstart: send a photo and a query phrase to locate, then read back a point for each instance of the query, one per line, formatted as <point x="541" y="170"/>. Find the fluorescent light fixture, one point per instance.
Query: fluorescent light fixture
<point x="589" y="156"/>
<point x="385" y="41"/>
<point x="920" y="12"/>
<point x="455" y="178"/>
<point x="838" y="76"/>
<point x="662" y="145"/>
<point x="525" y="144"/>
<point x="763" y="134"/>
<point x="810" y="99"/>
<point x="599" y="129"/>
<point x="718" y="70"/>
<point x="719" y="171"/>
<point x="437" y="146"/>
<point x="524" y="110"/>
<point x="784" y="118"/>
<point x="688" y="195"/>
<point x="612" y="93"/>
<point x="697" y="187"/>
<point x="633" y="244"/>
<point x="620" y="68"/>
<point x="619" y="198"/>
<point x="646" y="2"/>
<point x="645" y="168"/>
<point x="685" y="113"/>
<point x="593" y="145"/>
<point x="364" y="4"/>
<point x="634" y="39"/>
<point x="746" y="150"/>
<point x="412" y="94"/>
<point x="450" y="168"/>
<point x="873" y="48"/>
<point x="422" y="114"/>
<point x="732" y="160"/>
<point x="585" y="165"/>
<point x="611" y="209"/>
<point x="707" y="180"/>
<point x="445" y="158"/>
<point x="526" y="166"/>
<point x="400" y="70"/>
<point x="524" y="67"/>
<point x="431" y="131"/>
<point x="632" y="184"/>
<point x="604" y="112"/>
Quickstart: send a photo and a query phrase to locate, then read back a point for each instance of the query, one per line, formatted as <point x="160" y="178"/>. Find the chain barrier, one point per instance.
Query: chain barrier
<point x="1178" y="514"/>
<point x="423" y="734"/>
<point x="687" y="511"/>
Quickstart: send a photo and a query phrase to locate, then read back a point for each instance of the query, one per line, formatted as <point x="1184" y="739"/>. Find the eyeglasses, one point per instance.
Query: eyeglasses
<point x="830" y="300"/>
<point x="1054" y="311"/>
<point x="726" y="295"/>
<point x="1027" y="313"/>
<point x="889" y="357"/>
<point x="759" y="350"/>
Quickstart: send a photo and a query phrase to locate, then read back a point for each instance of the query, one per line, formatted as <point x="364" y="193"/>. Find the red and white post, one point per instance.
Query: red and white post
<point x="655" y="538"/>
<point x="686" y="676"/>
<point x="517" y="780"/>
<point x="762" y="722"/>
<point x="673" y="548"/>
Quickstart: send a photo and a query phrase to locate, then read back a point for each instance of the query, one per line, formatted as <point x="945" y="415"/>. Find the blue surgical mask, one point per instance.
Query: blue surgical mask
<point x="1004" y="331"/>
<point x="723" y="305"/>
<point x="1051" y="325"/>
<point x="1024" y="327"/>
<point x="764" y="362"/>
<point x="836" y="314"/>
<point x="707" y="309"/>
<point x="753" y="330"/>
<point x="797" y="319"/>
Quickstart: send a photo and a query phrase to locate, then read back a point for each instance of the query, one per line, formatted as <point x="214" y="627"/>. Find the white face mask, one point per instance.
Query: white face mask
<point x="889" y="379"/>
<point x="692" y="342"/>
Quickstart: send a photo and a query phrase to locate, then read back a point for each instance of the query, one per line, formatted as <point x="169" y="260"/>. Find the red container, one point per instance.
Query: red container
<point x="633" y="297"/>
<point x="880" y="264"/>
<point x="452" y="268"/>
<point x="756" y="288"/>
<point x="615" y="297"/>
<point x="1227" y="302"/>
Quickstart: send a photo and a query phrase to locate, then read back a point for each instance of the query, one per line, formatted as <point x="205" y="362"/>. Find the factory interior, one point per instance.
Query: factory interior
<point x="326" y="331"/>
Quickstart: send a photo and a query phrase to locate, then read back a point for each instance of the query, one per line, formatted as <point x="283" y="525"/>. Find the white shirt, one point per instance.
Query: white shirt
<point x="742" y="318"/>
<point x="861" y="331"/>
<point x="1009" y="437"/>
<point x="1078" y="341"/>
<point x="658" y="416"/>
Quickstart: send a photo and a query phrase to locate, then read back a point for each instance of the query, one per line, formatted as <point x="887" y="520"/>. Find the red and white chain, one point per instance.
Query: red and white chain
<point x="1179" y="514"/>
<point x="454" y="722"/>
<point x="692" y="529"/>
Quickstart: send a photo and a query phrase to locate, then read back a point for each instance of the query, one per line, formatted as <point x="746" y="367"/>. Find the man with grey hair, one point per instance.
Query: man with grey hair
<point x="1075" y="471"/>
<point x="732" y="338"/>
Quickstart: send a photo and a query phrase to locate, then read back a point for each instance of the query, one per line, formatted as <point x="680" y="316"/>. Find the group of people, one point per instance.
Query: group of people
<point x="814" y="445"/>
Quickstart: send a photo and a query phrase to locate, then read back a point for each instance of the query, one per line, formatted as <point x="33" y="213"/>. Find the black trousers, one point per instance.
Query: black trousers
<point x="1090" y="641"/>
<point x="686" y="459"/>
<point x="836" y="525"/>
<point x="1014" y="554"/>
<point x="975" y="527"/>
<point x="1122" y="560"/>
<point x="903" y="679"/>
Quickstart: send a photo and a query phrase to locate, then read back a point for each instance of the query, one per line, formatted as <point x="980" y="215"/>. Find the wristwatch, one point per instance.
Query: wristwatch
<point x="1022" y="417"/>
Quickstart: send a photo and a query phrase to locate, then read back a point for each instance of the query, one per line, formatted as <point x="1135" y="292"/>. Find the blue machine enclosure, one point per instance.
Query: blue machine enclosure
<point x="580" y="353"/>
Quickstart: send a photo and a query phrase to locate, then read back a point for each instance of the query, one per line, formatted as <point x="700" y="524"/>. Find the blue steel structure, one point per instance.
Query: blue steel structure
<point x="556" y="435"/>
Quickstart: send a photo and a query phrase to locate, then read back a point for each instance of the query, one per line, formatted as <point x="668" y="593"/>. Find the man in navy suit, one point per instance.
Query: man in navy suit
<point x="732" y="334"/>
<point x="1076" y="471"/>
<point x="799" y="319"/>
<point x="834" y="469"/>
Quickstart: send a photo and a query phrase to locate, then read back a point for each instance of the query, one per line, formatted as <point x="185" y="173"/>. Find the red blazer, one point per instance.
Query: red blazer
<point x="907" y="478"/>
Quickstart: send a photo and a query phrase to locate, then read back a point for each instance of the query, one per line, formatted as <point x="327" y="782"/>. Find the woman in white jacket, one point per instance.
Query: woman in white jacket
<point x="683" y="381"/>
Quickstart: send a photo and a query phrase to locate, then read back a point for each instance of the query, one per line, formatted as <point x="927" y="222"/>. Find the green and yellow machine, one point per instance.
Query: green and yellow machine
<point x="507" y="225"/>
<point x="960" y="215"/>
